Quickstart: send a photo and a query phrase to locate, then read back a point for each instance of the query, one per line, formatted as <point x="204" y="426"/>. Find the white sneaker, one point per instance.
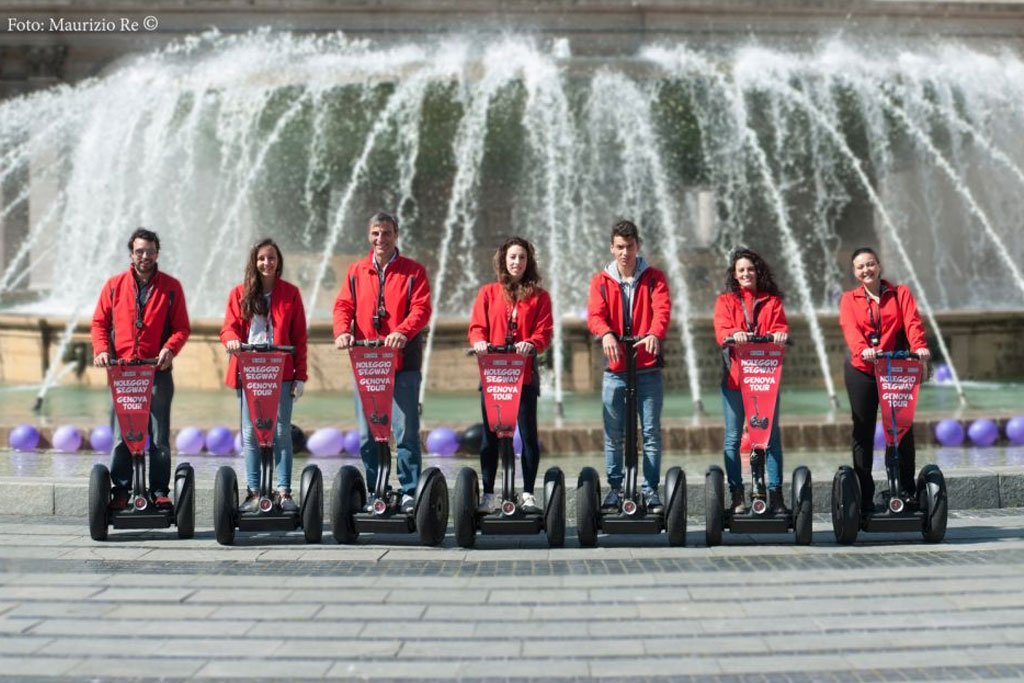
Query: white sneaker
<point x="487" y="505"/>
<point x="528" y="503"/>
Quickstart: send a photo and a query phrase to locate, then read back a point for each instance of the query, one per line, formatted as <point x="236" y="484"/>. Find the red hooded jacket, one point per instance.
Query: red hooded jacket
<point x="164" y="318"/>
<point x="288" y="321"/>
<point x="492" y="312"/>
<point x="766" y="315"/>
<point x="895" y="319"/>
<point x="406" y="300"/>
<point x="652" y="309"/>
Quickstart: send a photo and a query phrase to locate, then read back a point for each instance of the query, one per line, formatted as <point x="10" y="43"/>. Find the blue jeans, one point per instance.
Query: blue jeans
<point x="732" y="406"/>
<point x="159" y="441"/>
<point x="282" y="442"/>
<point x="648" y="407"/>
<point x="405" y="423"/>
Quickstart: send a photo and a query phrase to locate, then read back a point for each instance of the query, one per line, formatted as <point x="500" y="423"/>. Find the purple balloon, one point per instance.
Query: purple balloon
<point x="942" y="373"/>
<point x="442" y="441"/>
<point x="219" y="440"/>
<point x="879" y="435"/>
<point x="67" y="439"/>
<point x="238" y="442"/>
<point x="189" y="441"/>
<point x="1015" y="430"/>
<point x="352" y="442"/>
<point x="983" y="432"/>
<point x="326" y="441"/>
<point x="24" y="437"/>
<point x="949" y="432"/>
<point x="101" y="438"/>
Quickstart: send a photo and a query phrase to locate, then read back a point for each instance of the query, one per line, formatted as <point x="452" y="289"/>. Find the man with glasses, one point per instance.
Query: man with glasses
<point x="141" y="313"/>
<point x="386" y="296"/>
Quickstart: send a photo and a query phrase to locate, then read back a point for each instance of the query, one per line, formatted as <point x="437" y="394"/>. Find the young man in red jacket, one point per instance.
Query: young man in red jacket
<point x="387" y="296"/>
<point x="630" y="298"/>
<point x="141" y="313"/>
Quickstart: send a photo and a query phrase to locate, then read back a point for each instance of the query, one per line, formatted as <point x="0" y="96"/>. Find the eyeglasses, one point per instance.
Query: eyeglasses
<point x="148" y="251"/>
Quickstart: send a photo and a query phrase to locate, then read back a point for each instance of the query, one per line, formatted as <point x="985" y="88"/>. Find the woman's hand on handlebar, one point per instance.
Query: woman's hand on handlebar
<point x="780" y="338"/>
<point x="524" y="348"/>
<point x="650" y="343"/>
<point x="480" y="347"/>
<point x="740" y="337"/>
<point x="343" y="341"/>
<point x="233" y="346"/>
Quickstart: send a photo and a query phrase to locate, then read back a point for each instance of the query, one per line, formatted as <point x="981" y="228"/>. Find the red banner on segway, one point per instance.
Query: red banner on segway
<point x="262" y="375"/>
<point x="760" y="376"/>
<point x="374" y="371"/>
<point x="898" y="382"/>
<point x="501" y="375"/>
<point x="131" y="387"/>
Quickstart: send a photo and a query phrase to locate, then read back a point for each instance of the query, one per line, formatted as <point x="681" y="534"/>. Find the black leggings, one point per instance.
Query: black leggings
<point x="527" y="421"/>
<point x="863" y="394"/>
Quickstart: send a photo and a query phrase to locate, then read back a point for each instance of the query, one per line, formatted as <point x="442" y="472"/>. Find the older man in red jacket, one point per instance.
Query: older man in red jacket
<point x="386" y="296"/>
<point x="630" y="298"/>
<point x="141" y="313"/>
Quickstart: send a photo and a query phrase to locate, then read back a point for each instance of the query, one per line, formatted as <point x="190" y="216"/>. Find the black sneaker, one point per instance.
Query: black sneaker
<point x="653" y="502"/>
<point x="612" y="501"/>
<point x="252" y="499"/>
<point x="286" y="502"/>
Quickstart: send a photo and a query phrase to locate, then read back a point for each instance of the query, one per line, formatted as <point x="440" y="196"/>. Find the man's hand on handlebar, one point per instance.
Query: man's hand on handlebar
<point x="780" y="338"/>
<point x="923" y="354"/>
<point x="610" y="346"/>
<point x="395" y="340"/>
<point x="480" y="347"/>
<point x="343" y="340"/>
<point x="524" y="348"/>
<point x="650" y="343"/>
<point x="869" y="354"/>
<point x="740" y="337"/>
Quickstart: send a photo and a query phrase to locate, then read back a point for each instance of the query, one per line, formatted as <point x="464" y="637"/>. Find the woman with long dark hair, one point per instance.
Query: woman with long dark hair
<point x="265" y="309"/>
<point x="513" y="310"/>
<point x="749" y="305"/>
<point x="876" y="316"/>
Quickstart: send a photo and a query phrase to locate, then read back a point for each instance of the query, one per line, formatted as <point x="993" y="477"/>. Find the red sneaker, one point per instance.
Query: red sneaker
<point x="119" y="501"/>
<point x="162" y="501"/>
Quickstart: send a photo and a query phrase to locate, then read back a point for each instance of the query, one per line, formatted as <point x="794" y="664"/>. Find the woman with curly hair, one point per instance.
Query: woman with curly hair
<point x="513" y="310"/>
<point x="750" y="305"/>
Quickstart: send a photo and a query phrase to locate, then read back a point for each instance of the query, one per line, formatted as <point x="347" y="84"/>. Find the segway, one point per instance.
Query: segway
<point x="261" y="373"/>
<point x="501" y="378"/>
<point x="632" y="515"/>
<point x="898" y="380"/>
<point x="131" y="386"/>
<point x="760" y="363"/>
<point x="373" y="366"/>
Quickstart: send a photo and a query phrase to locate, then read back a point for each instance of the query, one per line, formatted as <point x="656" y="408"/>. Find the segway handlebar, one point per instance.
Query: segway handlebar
<point x="756" y="339"/>
<point x="624" y="339"/>
<point x="263" y="348"/>
<point x="897" y="355"/>
<point x="504" y="348"/>
<point x="369" y="343"/>
<point x="136" y="361"/>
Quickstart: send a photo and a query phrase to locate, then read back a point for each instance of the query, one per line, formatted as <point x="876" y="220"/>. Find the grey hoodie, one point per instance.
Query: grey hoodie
<point x="628" y="289"/>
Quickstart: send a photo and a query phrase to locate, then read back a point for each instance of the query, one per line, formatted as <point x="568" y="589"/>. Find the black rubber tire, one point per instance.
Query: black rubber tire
<point x="466" y="501"/>
<point x="714" y="506"/>
<point x="801" y="501"/>
<point x="675" y="510"/>
<point x="312" y="507"/>
<point x="588" y="509"/>
<point x="931" y="488"/>
<point x="185" y="500"/>
<point x="845" y="506"/>
<point x="432" y="509"/>
<point x="225" y="505"/>
<point x="99" y="502"/>
<point x="349" y="497"/>
<point x="554" y="507"/>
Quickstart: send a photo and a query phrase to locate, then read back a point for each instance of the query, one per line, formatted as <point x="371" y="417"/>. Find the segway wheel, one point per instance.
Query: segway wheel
<point x="185" y="500"/>
<point x="714" y="505"/>
<point x="348" y="499"/>
<point x="588" y="493"/>
<point x="931" y="492"/>
<point x="845" y="505"/>
<point x="311" y="504"/>
<point x="225" y="505"/>
<point x="99" y="502"/>
<point x="432" y="509"/>
<point x="554" y="507"/>
<point x="467" y="495"/>
<point x="801" y="502"/>
<point x="675" y="511"/>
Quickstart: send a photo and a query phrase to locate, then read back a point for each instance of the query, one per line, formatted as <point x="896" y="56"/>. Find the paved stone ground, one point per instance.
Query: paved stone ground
<point x="146" y="606"/>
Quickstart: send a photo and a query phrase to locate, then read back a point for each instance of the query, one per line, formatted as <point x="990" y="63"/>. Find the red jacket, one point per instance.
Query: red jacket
<point x="288" y="321"/>
<point x="164" y="318"/>
<point x="491" y="314"/>
<point x="406" y="300"/>
<point x="898" y="320"/>
<point x="652" y="309"/>
<point x="766" y="314"/>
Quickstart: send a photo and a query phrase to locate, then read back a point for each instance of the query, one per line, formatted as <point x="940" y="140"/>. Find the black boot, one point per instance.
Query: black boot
<point x="776" y="504"/>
